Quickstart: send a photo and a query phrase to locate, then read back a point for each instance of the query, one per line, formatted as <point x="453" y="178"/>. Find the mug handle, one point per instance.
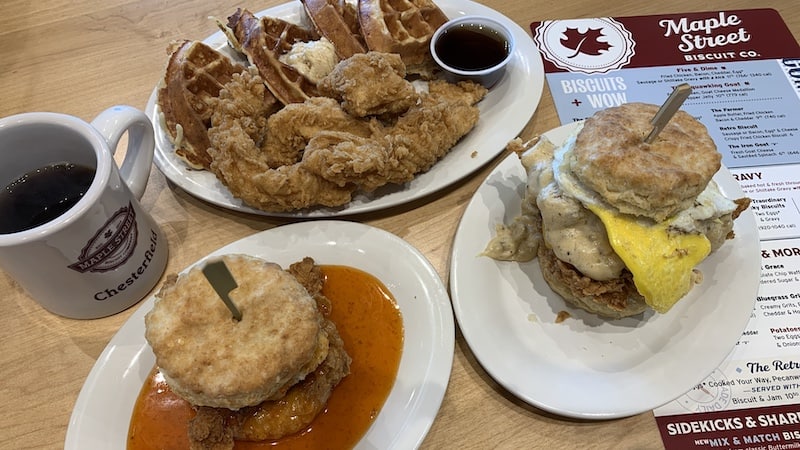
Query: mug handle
<point x="135" y="168"/>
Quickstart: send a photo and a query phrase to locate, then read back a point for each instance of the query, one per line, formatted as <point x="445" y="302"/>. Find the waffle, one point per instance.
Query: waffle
<point x="338" y="22"/>
<point x="264" y="41"/>
<point x="401" y="26"/>
<point x="194" y="75"/>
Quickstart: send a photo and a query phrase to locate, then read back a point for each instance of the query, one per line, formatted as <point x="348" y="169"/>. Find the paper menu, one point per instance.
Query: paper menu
<point x="775" y="194"/>
<point x="753" y="398"/>
<point x="744" y="67"/>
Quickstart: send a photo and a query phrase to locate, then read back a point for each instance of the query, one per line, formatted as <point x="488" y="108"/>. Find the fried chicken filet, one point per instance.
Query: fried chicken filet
<point x="319" y="152"/>
<point x="370" y="84"/>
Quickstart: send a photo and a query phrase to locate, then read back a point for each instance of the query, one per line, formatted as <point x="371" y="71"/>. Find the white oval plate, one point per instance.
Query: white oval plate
<point x="101" y="416"/>
<point x="587" y="367"/>
<point x="504" y="112"/>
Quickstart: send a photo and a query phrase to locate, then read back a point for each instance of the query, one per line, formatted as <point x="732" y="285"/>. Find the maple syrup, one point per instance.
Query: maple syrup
<point x="471" y="47"/>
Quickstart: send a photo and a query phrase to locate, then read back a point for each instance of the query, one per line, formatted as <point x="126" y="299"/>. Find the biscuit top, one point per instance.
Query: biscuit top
<point x="653" y="180"/>
<point x="211" y="359"/>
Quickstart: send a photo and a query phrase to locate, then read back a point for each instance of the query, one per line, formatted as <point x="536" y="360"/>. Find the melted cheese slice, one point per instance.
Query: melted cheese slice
<point x="661" y="263"/>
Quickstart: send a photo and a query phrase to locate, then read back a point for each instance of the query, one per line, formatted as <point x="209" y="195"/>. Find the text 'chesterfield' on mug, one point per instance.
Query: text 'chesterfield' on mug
<point x="72" y="231"/>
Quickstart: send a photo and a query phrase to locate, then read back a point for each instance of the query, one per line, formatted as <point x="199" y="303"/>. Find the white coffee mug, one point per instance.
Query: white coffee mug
<point x="103" y="254"/>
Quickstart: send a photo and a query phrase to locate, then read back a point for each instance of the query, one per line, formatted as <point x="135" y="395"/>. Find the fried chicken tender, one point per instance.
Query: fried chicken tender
<point x="310" y="276"/>
<point x="465" y="91"/>
<point x="245" y="102"/>
<point x="345" y="159"/>
<point x="418" y="139"/>
<point x="246" y="99"/>
<point x="251" y="173"/>
<point x="217" y="428"/>
<point x="242" y="168"/>
<point x="317" y="153"/>
<point x="428" y="131"/>
<point x="370" y="84"/>
<point x="293" y="126"/>
<point x="281" y="134"/>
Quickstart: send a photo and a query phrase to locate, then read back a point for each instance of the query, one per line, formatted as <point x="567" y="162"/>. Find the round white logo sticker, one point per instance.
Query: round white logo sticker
<point x="585" y="45"/>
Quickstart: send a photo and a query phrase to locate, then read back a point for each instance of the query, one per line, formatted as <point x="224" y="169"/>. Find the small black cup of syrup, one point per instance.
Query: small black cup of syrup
<point x="473" y="48"/>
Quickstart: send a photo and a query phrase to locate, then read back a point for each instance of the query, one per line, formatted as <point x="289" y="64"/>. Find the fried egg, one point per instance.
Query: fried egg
<point x="662" y="256"/>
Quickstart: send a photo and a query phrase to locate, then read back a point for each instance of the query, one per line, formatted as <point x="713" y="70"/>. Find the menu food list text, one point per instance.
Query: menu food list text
<point x="744" y="69"/>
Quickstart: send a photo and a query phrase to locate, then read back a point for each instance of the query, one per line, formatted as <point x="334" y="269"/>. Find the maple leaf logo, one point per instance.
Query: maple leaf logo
<point x="587" y="43"/>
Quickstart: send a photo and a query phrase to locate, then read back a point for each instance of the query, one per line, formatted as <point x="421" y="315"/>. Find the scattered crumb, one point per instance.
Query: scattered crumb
<point x="697" y="276"/>
<point x="518" y="146"/>
<point x="562" y="316"/>
<point x="532" y="318"/>
<point x="474" y="154"/>
<point x="515" y="145"/>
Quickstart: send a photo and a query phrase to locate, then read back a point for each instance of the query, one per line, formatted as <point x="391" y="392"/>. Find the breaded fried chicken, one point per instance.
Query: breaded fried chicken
<point x="244" y="103"/>
<point x="428" y="131"/>
<point x="217" y="428"/>
<point x="238" y="164"/>
<point x="254" y="175"/>
<point x="465" y="91"/>
<point x="345" y="159"/>
<point x="318" y="153"/>
<point x="370" y="84"/>
<point x="310" y="276"/>
<point x="293" y="126"/>
<point x="417" y="140"/>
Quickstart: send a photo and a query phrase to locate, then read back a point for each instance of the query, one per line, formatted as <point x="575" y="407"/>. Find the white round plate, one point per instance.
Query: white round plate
<point x="102" y="413"/>
<point x="504" y="112"/>
<point x="587" y="367"/>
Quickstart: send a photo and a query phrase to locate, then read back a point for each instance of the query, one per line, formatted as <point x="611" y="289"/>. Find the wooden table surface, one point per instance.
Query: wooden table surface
<point x="79" y="57"/>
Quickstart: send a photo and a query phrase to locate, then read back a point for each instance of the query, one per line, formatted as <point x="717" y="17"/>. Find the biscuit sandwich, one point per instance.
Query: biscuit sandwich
<point x="618" y="224"/>
<point x="284" y="348"/>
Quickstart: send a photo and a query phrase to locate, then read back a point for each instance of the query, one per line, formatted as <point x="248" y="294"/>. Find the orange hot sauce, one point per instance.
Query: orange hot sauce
<point x="371" y="326"/>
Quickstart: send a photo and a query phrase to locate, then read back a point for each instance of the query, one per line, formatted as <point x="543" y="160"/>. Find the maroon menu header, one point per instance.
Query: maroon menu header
<point x="675" y="39"/>
<point x="772" y="428"/>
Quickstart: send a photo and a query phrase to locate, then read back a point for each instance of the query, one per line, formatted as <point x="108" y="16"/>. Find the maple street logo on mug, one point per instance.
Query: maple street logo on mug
<point x="112" y="245"/>
<point x="585" y="45"/>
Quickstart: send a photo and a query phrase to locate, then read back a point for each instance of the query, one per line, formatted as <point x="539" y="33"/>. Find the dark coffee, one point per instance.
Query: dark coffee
<point x="42" y="195"/>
